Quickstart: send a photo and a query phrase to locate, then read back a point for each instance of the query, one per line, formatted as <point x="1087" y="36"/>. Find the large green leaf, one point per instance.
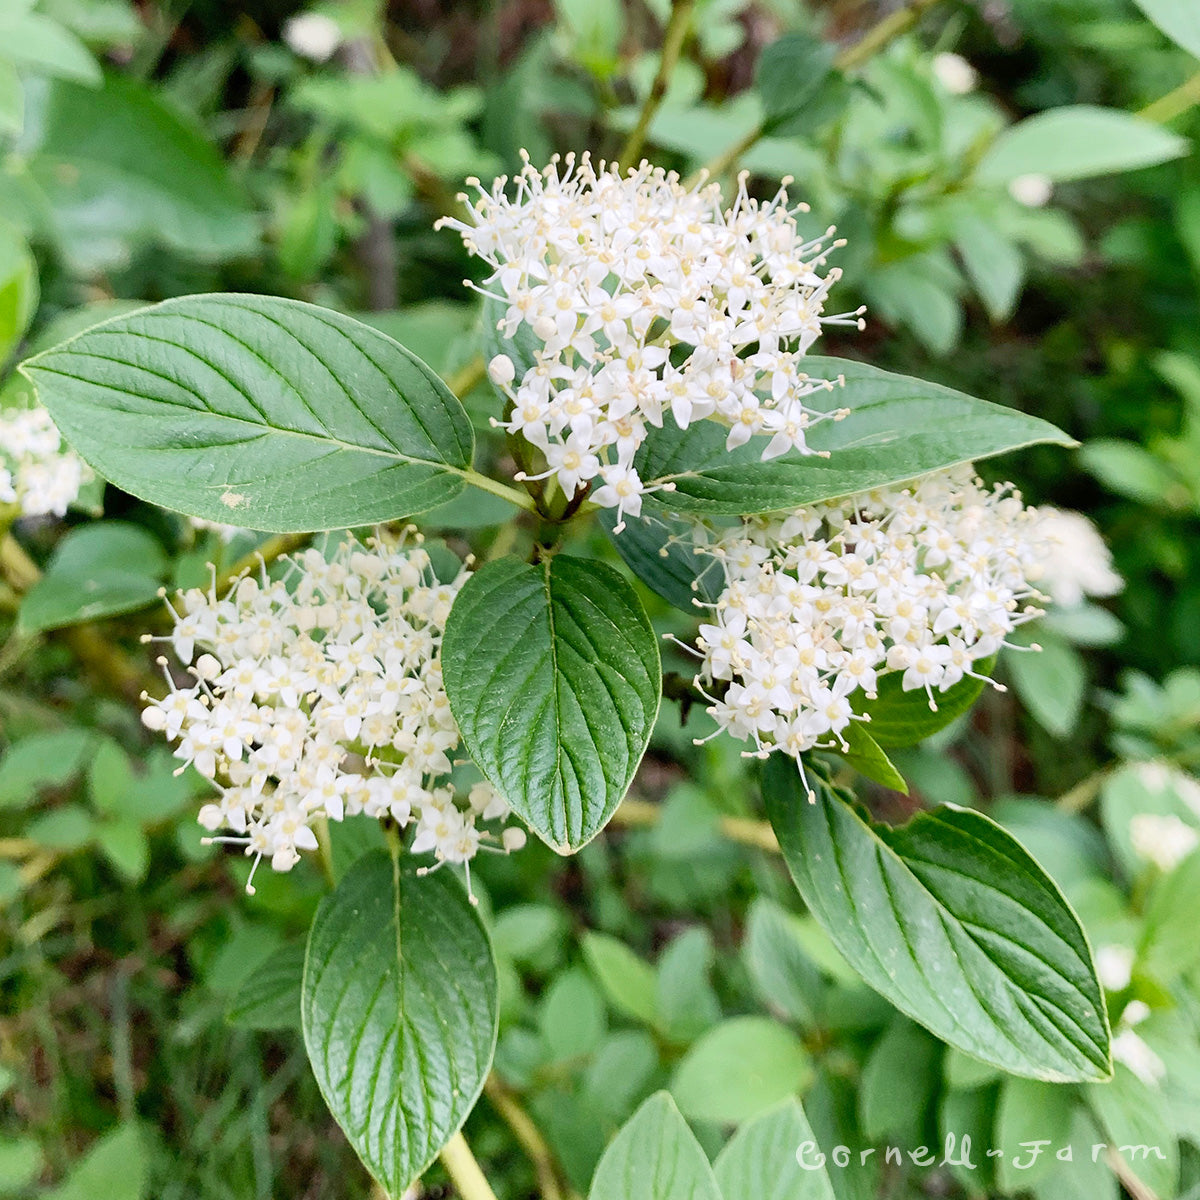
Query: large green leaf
<point x="655" y="1157"/>
<point x="98" y="570"/>
<point x="1078" y="141"/>
<point x="400" y="1012"/>
<point x="952" y="921"/>
<point x="740" y="1068"/>
<point x="117" y="168"/>
<point x="1178" y="19"/>
<point x="900" y="718"/>
<point x="553" y="675"/>
<point x="660" y="552"/>
<point x="258" y="411"/>
<point x="898" y="428"/>
<point x="761" y="1159"/>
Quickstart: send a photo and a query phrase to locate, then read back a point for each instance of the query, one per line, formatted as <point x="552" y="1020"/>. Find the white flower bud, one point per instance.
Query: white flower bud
<point x="954" y="73"/>
<point x="313" y="35"/>
<point x="1033" y="191"/>
<point x="501" y="370"/>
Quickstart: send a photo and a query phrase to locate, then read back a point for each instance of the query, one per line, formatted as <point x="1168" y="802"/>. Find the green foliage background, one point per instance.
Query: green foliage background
<point x="149" y="1036"/>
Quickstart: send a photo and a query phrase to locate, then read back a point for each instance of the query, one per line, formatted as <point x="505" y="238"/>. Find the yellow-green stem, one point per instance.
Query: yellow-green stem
<point x="486" y="484"/>
<point x="464" y="1171"/>
<point x="1175" y="103"/>
<point x="673" y="39"/>
<point x="746" y="831"/>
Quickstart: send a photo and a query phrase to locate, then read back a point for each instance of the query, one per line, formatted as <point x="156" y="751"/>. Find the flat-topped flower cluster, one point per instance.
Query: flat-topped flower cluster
<point x="39" y="472"/>
<point x="926" y="580"/>
<point x="319" y="695"/>
<point x="643" y="300"/>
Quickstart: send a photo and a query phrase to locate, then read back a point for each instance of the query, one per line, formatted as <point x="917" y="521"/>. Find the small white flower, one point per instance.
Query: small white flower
<point x="1164" y="841"/>
<point x="1114" y="966"/>
<point x="924" y="580"/>
<point x="312" y="35"/>
<point x="320" y="697"/>
<point x="1033" y="191"/>
<point x="39" y="472"/>
<point x="650" y="301"/>
<point x="954" y="73"/>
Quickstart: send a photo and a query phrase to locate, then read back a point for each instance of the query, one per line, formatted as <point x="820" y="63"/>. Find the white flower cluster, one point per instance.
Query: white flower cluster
<point x="1078" y="563"/>
<point x="39" y="472"/>
<point x="647" y="298"/>
<point x="925" y="580"/>
<point x="320" y="696"/>
<point x="1164" y="840"/>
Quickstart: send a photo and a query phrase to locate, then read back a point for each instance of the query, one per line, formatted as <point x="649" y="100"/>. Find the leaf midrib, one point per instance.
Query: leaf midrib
<point x="325" y="439"/>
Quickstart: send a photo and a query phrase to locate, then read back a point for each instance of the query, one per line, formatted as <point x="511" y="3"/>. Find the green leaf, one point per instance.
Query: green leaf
<point x="791" y="73"/>
<point x="1169" y="947"/>
<point x="655" y="1157"/>
<point x="687" y="1004"/>
<point x="1030" y="1111"/>
<point x="900" y="718"/>
<point x="42" y="760"/>
<point x="952" y="921"/>
<point x="1178" y="19"/>
<point x="899" y="1080"/>
<point x="553" y="675"/>
<point x="898" y="429"/>
<point x="269" y="997"/>
<point x="785" y="977"/>
<point x="1078" y="141"/>
<point x="67" y="828"/>
<point x="20" y="1161"/>
<point x="760" y="1160"/>
<point x="1051" y="683"/>
<point x="258" y="411"/>
<point x="119" y="168"/>
<point x="1137" y="1121"/>
<point x="571" y="1016"/>
<point x="867" y="758"/>
<point x="116" y="1167"/>
<point x="12" y="100"/>
<point x="739" y="1069"/>
<point x="659" y="551"/>
<point x="18" y="290"/>
<point x="125" y="845"/>
<point x="629" y="983"/>
<point x="399" y="1011"/>
<point x="1130" y="470"/>
<point x="96" y="571"/>
<point x="994" y="264"/>
<point x="41" y="46"/>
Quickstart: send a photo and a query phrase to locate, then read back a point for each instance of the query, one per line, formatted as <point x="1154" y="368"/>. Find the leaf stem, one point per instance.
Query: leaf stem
<point x="464" y="1170"/>
<point x="673" y="39"/>
<point x="1175" y="103"/>
<point x="487" y="484"/>
<point x="746" y="831"/>
<point x="874" y="40"/>
<point x="528" y="1136"/>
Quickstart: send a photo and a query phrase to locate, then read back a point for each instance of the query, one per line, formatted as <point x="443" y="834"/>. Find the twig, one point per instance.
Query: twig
<point x="874" y="40"/>
<point x="673" y="39"/>
<point x="746" y="831"/>
<point x="1175" y="103"/>
<point x="1128" y="1178"/>
<point x="464" y="1170"/>
<point x="528" y="1136"/>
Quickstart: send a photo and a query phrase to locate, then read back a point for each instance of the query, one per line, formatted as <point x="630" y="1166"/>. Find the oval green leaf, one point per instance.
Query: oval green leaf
<point x="400" y="1013"/>
<point x="762" y="1159"/>
<point x="96" y="571"/>
<point x="952" y="921"/>
<point x="655" y="1156"/>
<point x="1078" y="141"/>
<point x="554" y="677"/>
<point x="898" y="429"/>
<point x="258" y="411"/>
